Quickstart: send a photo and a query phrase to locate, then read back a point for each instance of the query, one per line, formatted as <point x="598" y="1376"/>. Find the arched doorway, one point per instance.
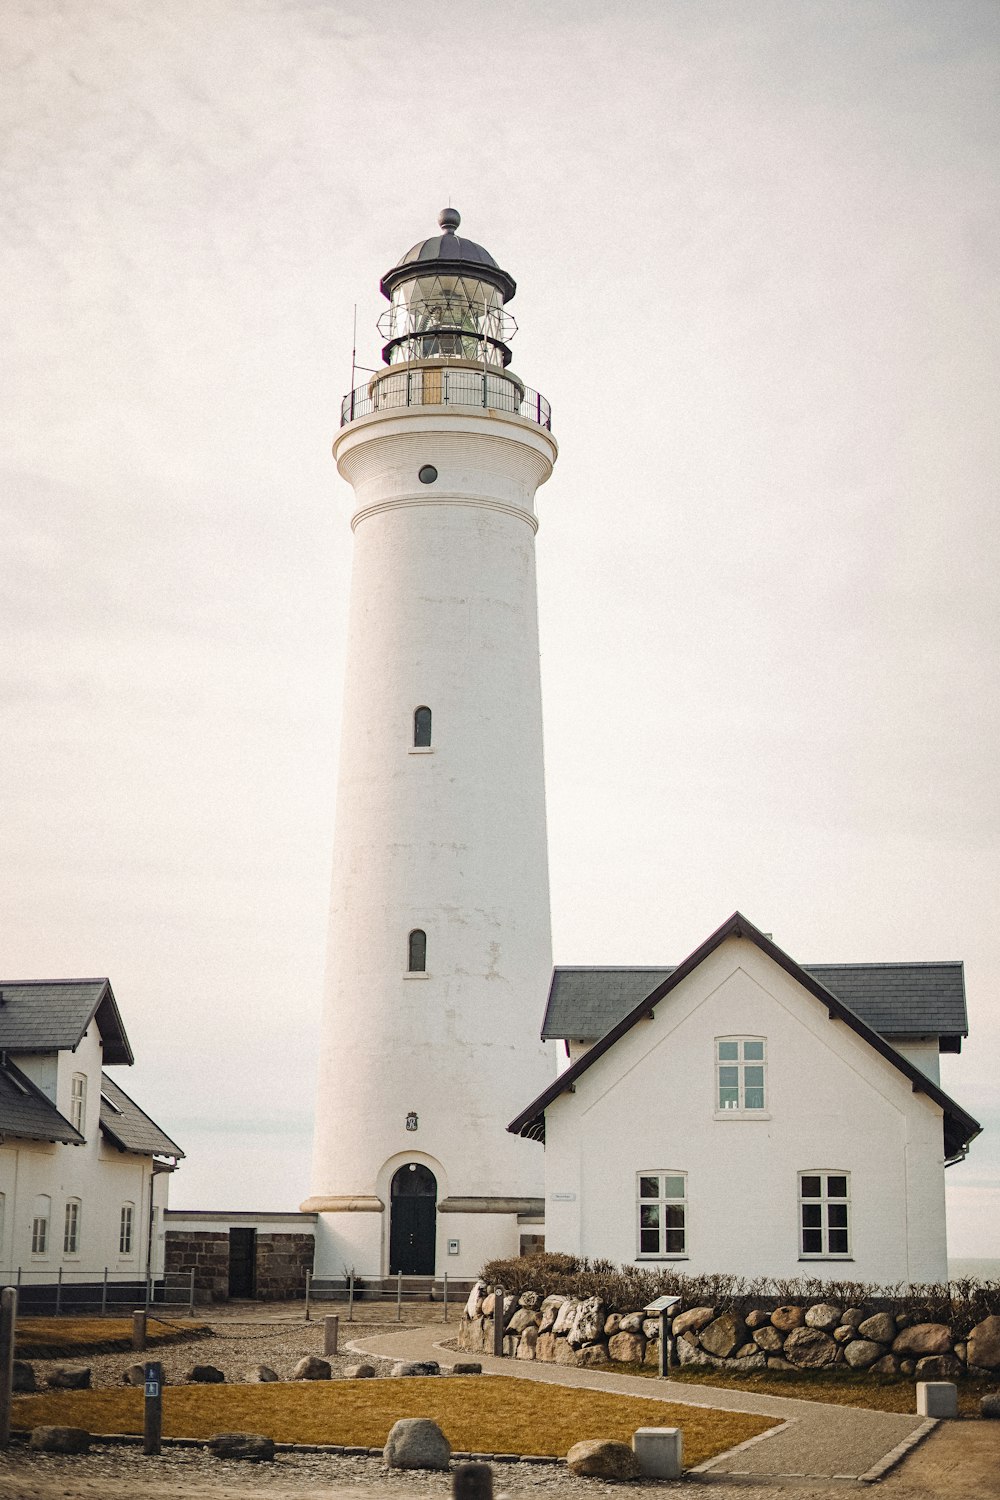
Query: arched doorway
<point x="412" y="1220"/>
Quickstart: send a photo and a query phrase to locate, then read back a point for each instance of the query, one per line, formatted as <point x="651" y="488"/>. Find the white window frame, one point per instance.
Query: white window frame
<point x="672" y="1238"/>
<point x="40" y="1225"/>
<point x="78" y="1102"/>
<point x="126" y="1230"/>
<point x="71" y="1227"/>
<point x="825" y="1201"/>
<point x="741" y="1110"/>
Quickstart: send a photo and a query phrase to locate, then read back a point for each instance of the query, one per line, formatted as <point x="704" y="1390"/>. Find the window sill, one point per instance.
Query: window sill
<point x="417" y="976"/>
<point x="804" y="1258"/>
<point x="741" y="1114"/>
<point x="421" y="750"/>
<point x="640" y="1256"/>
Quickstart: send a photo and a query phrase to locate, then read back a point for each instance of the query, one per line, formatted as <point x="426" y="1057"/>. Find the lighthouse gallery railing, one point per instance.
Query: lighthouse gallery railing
<point x="437" y="386"/>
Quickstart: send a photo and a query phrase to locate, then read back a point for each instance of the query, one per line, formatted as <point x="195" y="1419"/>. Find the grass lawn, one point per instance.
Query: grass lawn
<point x="477" y="1413"/>
<point x="43" y="1338"/>
<point x="839" y="1387"/>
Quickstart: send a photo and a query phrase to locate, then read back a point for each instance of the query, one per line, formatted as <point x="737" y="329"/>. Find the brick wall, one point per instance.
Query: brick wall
<point x="204" y="1252"/>
<point x="282" y="1262"/>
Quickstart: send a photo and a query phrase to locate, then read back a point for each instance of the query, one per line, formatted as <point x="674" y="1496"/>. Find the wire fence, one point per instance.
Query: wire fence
<point x="98" y="1293"/>
<point x="398" y="1289"/>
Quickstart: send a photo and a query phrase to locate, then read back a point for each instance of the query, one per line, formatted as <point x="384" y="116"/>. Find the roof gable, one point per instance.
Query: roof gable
<point x="27" y="1113"/>
<point x="51" y="1015"/>
<point x="128" y="1127"/>
<point x="959" y="1127"/>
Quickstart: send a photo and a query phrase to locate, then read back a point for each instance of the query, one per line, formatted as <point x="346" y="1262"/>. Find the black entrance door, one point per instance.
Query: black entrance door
<point x="412" y="1220"/>
<point x="242" y="1262"/>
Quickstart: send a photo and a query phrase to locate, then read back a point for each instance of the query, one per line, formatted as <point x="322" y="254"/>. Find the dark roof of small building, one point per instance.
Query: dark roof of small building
<point x="922" y="999"/>
<point x="50" y="1015"/>
<point x="130" y="1128"/>
<point x="959" y="1127"/>
<point x="26" y="1113"/>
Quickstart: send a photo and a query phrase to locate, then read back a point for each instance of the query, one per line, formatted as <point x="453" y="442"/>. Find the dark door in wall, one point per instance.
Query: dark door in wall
<point x="412" y="1220"/>
<point x="242" y="1262"/>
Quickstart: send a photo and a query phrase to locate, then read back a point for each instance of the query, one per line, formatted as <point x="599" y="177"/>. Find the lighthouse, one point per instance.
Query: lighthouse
<point x="439" y="939"/>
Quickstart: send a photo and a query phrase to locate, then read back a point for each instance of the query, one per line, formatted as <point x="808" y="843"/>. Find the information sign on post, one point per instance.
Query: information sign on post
<point x="152" y="1408"/>
<point x="664" y="1307"/>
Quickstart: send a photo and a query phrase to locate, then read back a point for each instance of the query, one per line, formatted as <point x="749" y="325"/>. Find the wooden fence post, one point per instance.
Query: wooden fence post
<point x="8" y="1332"/>
<point x="331" y="1331"/>
<point x="138" y="1330"/>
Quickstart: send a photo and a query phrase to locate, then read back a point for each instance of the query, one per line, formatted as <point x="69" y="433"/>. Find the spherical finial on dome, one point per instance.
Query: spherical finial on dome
<point x="449" y="219"/>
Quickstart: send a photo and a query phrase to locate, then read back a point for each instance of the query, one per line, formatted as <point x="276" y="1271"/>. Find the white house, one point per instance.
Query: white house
<point x="83" y="1170"/>
<point x="734" y="1114"/>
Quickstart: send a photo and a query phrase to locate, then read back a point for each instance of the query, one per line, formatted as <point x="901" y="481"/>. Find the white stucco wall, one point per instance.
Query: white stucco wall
<point x="833" y="1105"/>
<point x="96" y="1174"/>
<point x="451" y="840"/>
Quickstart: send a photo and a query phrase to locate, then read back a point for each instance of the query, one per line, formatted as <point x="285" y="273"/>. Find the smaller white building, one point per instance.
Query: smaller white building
<point x="83" y="1170"/>
<point x="733" y="1114"/>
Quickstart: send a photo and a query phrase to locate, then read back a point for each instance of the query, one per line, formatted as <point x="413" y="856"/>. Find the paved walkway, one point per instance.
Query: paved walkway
<point x="816" y="1440"/>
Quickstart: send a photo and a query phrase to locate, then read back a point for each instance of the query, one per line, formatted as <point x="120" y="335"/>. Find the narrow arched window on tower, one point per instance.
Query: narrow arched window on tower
<point x="422" y="729"/>
<point x="417" y="959"/>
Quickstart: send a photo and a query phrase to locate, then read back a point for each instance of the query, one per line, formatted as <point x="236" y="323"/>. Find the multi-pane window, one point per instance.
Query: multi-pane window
<point x="662" y="1213"/>
<point x="71" y="1227"/>
<point x="824" y="1213"/>
<point x="739" y="1073"/>
<point x="78" y="1101"/>
<point x="125" y="1229"/>
<point x="422" y="728"/>
<point x="40" y="1225"/>
<point x="416" y="961"/>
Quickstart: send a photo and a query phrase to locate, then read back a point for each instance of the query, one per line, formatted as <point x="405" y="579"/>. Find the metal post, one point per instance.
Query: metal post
<point x="104" y="1293"/>
<point x="138" y="1330"/>
<point x="8" y="1332"/>
<point x="152" y="1408"/>
<point x="191" y="1294"/>
<point x="472" y="1482"/>
<point x="498" y="1321"/>
<point x="331" y="1330"/>
<point x="399" y="1296"/>
<point x="308" y="1293"/>
<point x="666" y="1343"/>
<point x="59" y="1291"/>
<point x="444" y="1296"/>
<point x="149" y="1288"/>
<point x="350" y="1298"/>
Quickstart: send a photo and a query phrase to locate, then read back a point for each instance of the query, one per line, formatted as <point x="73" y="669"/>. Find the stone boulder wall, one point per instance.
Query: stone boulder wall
<point x="581" y="1332"/>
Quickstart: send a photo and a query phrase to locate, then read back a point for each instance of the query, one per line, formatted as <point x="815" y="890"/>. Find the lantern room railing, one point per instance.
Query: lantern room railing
<point x="436" y="386"/>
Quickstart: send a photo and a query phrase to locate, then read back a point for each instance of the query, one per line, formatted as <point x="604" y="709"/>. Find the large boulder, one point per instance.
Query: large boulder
<point x="852" y="1317"/>
<point x="414" y="1367"/>
<point x="460" y="1367"/>
<point x="787" y="1318"/>
<point x="767" y="1338"/>
<point x="59" y="1440"/>
<point x="208" y="1375"/>
<point x="810" y="1348"/>
<point x="860" y="1353"/>
<point x="252" y="1446"/>
<point x="627" y="1348"/>
<point x="588" y="1324"/>
<point x="688" y="1352"/>
<point x="527" y="1343"/>
<point x="550" y="1311"/>
<point x="525" y="1317"/>
<point x="368" y="1372"/>
<point x="312" y="1368"/>
<point x="989" y="1405"/>
<point x="262" y="1375"/>
<point x="651" y="1328"/>
<point x="888" y="1365"/>
<point x="416" y="1443"/>
<point x="632" y="1323"/>
<point x="24" y="1378"/>
<point x="599" y="1458"/>
<point x="983" y="1348"/>
<point x="938" y="1367"/>
<point x="758" y="1318"/>
<point x="545" y="1348"/>
<point x="528" y="1299"/>
<point x="474" y="1306"/>
<point x="823" y="1315"/>
<point x="881" y="1327"/>
<point x="589" y="1356"/>
<point x="723" y="1335"/>
<point x="68" y="1378"/>
<point x="692" y="1321"/>
<point x="565" y="1316"/>
<point x="923" y="1338"/>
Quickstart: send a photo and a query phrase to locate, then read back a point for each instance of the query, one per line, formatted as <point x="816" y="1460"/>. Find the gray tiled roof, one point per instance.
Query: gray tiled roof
<point x="893" y="999"/>
<point x="128" y="1127"/>
<point x="44" y="1015"/>
<point x="27" y="1114"/>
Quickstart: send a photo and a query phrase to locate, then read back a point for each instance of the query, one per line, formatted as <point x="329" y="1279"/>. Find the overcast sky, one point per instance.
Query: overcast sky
<point x="757" y="250"/>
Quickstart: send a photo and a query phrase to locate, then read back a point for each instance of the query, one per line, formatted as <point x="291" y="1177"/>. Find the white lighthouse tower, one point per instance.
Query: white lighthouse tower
<point x="440" y="948"/>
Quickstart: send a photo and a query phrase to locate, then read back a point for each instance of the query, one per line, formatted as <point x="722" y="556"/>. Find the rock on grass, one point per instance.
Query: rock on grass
<point x="252" y="1446"/>
<point x="417" y="1443"/>
<point x="600" y="1458"/>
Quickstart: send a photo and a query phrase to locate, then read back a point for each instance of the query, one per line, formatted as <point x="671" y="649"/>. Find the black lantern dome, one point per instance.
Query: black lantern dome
<point x="446" y="301"/>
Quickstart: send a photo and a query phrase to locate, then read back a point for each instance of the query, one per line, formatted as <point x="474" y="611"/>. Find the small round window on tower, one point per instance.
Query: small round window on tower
<point x="427" y="474"/>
